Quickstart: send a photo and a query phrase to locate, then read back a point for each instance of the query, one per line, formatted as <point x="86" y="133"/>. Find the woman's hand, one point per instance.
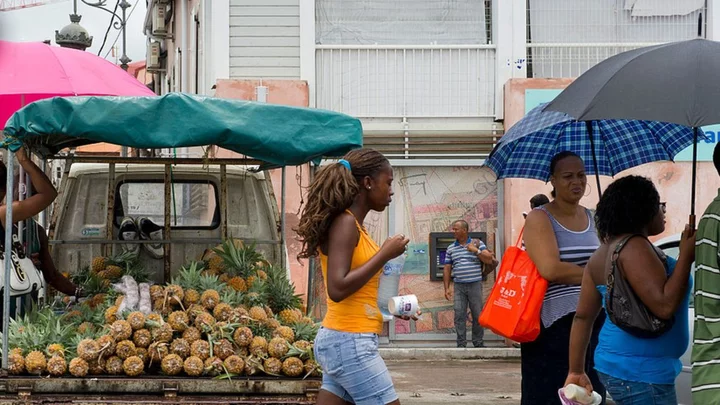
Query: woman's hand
<point x="408" y="317"/>
<point x="579" y="379"/>
<point x="21" y="155"/>
<point x="687" y="244"/>
<point x="394" y="246"/>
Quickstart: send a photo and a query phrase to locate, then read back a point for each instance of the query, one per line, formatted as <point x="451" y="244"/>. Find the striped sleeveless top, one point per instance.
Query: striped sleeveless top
<point x="575" y="248"/>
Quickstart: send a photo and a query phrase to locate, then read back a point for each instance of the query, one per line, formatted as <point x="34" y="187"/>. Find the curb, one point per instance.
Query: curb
<point x="444" y="354"/>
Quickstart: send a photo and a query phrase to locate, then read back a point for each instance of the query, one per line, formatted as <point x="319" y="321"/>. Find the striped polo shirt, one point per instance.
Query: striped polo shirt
<point x="575" y="248"/>
<point x="466" y="267"/>
<point x="706" y="337"/>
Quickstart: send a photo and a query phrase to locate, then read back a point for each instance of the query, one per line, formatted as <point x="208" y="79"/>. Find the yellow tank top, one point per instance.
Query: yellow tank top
<point x="359" y="312"/>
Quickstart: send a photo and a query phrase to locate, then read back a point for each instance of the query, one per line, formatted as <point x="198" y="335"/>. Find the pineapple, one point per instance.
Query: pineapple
<point x="114" y="365"/>
<point x="234" y="365"/>
<point x="88" y="350"/>
<point x="97" y="367"/>
<point x="55" y="349"/>
<point x="172" y="364"/>
<point x="213" y="366"/>
<point x="243" y="352"/>
<point x="204" y="322"/>
<point x="250" y="281"/>
<point x="312" y="368"/>
<point x="262" y="275"/>
<point x="222" y="312"/>
<point x="162" y="334"/>
<point x="278" y="347"/>
<point x="136" y="320"/>
<point x="303" y="345"/>
<point x="35" y="363"/>
<point x="85" y="327"/>
<point x="258" y="313"/>
<point x="209" y="299"/>
<point x="252" y="365"/>
<point x="18" y="351"/>
<point x="223" y="349"/>
<point x="216" y="264"/>
<point x="239" y="259"/>
<point x="158" y="351"/>
<point x="269" y="312"/>
<point x="293" y="367"/>
<point x="142" y="338"/>
<point x="306" y="331"/>
<point x="272" y="323"/>
<point x="258" y="346"/>
<point x="193" y="366"/>
<point x="79" y="367"/>
<point x="195" y="310"/>
<point x="240" y="315"/>
<point x="57" y="366"/>
<point x="175" y="294"/>
<point x="16" y="363"/>
<point x="224" y="278"/>
<point x="191" y="334"/>
<point x="133" y="366"/>
<point x="98" y="264"/>
<point x="285" y="333"/>
<point x="178" y="321"/>
<point x="157" y="292"/>
<point x="307" y="320"/>
<point x="238" y="284"/>
<point x="289" y="316"/>
<point x="112" y="272"/>
<point x="243" y="336"/>
<point x="272" y="366"/>
<point x="200" y="349"/>
<point x="121" y="330"/>
<point x="143" y="354"/>
<point x="281" y="291"/>
<point x="180" y="347"/>
<point x="162" y="306"/>
<point x="106" y="344"/>
<point x="191" y="297"/>
<point x="125" y="349"/>
<point x="155" y="317"/>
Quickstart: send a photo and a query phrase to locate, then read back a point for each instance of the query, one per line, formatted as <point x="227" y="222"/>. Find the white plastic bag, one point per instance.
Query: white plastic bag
<point x="145" y="305"/>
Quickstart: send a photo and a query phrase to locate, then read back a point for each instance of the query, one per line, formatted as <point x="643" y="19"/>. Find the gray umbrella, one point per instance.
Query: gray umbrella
<point x="677" y="82"/>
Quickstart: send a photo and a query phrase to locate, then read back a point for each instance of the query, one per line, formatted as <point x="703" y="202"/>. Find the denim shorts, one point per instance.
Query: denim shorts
<point x="625" y="392"/>
<point x="352" y="367"/>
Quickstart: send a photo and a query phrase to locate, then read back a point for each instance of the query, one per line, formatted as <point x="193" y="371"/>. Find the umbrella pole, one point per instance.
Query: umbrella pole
<point x="588" y="125"/>
<point x="694" y="177"/>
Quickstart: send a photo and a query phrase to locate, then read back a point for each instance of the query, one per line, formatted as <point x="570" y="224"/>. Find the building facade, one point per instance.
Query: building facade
<point x="435" y="84"/>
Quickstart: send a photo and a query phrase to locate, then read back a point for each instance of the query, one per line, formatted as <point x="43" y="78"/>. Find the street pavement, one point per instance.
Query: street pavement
<point x="457" y="382"/>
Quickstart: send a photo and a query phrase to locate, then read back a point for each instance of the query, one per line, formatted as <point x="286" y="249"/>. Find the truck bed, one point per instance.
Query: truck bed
<point x="157" y="390"/>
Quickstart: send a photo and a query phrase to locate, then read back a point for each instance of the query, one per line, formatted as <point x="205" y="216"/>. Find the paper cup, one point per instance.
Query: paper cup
<point x="403" y="305"/>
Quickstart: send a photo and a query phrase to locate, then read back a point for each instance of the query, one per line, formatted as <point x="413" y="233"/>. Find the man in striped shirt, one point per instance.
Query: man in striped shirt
<point x="464" y="261"/>
<point x="706" y="344"/>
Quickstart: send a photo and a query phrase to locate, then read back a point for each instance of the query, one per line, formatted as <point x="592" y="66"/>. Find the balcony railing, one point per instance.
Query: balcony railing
<point x="406" y="81"/>
<point x="571" y="59"/>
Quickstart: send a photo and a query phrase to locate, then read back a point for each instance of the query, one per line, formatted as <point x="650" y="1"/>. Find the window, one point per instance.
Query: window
<point x="194" y="204"/>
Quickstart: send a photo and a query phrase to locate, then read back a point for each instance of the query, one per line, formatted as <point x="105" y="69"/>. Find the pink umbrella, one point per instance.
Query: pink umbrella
<point x="31" y="71"/>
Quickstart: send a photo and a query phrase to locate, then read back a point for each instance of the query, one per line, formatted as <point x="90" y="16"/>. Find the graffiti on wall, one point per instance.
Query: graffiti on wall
<point x="430" y="199"/>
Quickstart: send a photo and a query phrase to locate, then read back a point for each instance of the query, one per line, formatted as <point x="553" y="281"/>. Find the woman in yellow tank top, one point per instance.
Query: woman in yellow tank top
<point x="346" y="347"/>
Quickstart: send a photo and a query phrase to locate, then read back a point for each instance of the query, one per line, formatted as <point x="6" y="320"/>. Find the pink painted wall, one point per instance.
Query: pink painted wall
<point x="673" y="180"/>
<point x="288" y="92"/>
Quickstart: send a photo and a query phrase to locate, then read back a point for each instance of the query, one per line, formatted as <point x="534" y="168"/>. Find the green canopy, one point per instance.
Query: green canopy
<point x="276" y="134"/>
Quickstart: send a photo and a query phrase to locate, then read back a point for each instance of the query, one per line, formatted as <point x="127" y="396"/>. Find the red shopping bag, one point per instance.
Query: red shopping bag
<point x="513" y="307"/>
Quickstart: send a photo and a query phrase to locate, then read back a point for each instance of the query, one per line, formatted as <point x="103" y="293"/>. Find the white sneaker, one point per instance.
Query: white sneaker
<point x="129" y="231"/>
<point x="151" y="231"/>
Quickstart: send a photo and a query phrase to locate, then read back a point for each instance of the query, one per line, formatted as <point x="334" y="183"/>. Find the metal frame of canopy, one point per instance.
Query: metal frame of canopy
<point x="107" y="244"/>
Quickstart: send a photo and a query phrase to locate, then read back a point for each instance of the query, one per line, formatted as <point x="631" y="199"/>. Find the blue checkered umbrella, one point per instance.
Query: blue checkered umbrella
<point x="526" y="149"/>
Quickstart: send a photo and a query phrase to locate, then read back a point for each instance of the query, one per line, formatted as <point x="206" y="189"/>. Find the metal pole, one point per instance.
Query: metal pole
<point x="124" y="60"/>
<point x="8" y="260"/>
<point x="588" y="125"/>
<point x="694" y="178"/>
<point x="311" y="271"/>
<point x="43" y="213"/>
<point x="283" y="245"/>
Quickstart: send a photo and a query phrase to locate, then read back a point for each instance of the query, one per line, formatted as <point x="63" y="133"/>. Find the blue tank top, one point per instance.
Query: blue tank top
<point x="575" y="248"/>
<point x="653" y="361"/>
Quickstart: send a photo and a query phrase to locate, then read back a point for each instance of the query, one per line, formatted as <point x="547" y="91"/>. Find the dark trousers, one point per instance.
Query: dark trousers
<point x="468" y="295"/>
<point x="545" y="362"/>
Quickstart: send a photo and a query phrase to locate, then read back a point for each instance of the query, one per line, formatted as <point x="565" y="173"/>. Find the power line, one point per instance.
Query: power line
<point x="122" y="28"/>
<point x="107" y="32"/>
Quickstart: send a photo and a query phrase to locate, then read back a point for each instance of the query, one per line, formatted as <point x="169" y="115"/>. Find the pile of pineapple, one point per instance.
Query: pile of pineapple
<point x="232" y="314"/>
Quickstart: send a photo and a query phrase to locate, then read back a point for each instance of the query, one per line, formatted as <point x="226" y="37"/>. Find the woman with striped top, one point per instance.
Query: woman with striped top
<point x="560" y="237"/>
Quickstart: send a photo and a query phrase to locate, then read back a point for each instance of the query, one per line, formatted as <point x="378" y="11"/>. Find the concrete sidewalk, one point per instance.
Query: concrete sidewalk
<point x="445" y="354"/>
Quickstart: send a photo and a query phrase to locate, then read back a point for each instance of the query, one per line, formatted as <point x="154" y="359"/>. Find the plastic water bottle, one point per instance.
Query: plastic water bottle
<point x="389" y="285"/>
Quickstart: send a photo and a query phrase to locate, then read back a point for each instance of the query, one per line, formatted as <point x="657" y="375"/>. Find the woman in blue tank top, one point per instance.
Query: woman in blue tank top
<point x="634" y="370"/>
